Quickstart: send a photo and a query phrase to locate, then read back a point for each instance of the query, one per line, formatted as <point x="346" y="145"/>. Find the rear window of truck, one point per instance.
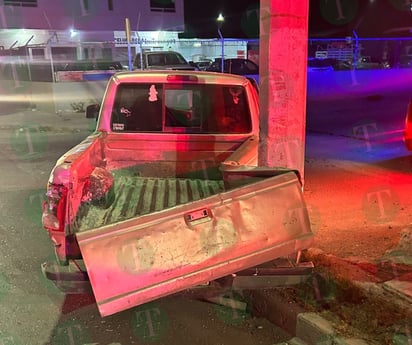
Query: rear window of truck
<point x="181" y="108"/>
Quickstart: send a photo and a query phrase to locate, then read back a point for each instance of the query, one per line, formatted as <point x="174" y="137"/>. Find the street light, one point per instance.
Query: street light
<point x="220" y="19"/>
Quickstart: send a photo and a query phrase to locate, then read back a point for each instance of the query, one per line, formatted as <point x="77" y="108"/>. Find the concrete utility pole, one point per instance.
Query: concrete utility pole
<point x="283" y="67"/>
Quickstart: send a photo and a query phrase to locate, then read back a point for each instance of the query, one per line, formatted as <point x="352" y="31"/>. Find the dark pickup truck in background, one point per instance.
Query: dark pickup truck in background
<point x="155" y="60"/>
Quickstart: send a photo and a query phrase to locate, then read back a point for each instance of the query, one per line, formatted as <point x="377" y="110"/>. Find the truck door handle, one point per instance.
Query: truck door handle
<point x="198" y="216"/>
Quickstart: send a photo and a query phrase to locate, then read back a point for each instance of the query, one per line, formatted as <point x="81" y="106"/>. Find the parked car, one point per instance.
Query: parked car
<point x="162" y="60"/>
<point x="238" y="66"/>
<point x="367" y="62"/>
<point x="405" y="61"/>
<point x="202" y="65"/>
<point x="316" y="64"/>
<point x="342" y="65"/>
<point x="90" y="65"/>
<point x="364" y="62"/>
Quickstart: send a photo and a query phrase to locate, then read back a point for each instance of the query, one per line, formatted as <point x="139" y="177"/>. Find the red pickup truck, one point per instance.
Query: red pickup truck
<point x="166" y="194"/>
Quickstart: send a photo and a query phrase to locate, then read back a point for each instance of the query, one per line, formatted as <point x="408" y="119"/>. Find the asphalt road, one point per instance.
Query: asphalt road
<point x="34" y="312"/>
<point x="351" y="144"/>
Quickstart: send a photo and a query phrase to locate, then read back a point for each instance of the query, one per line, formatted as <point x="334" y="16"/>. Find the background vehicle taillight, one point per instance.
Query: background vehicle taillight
<point x="54" y="207"/>
<point x="407" y="135"/>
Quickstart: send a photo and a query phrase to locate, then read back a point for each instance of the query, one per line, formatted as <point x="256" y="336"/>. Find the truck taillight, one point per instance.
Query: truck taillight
<point x="180" y="78"/>
<point x="54" y="207"/>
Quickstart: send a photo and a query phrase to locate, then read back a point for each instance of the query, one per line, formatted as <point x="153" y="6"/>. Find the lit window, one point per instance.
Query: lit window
<point x="162" y="6"/>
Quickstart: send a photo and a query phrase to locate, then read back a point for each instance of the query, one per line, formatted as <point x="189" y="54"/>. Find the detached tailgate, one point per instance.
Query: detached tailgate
<point x="139" y="260"/>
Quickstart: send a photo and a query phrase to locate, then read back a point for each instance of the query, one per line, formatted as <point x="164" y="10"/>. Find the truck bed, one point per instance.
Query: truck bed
<point x="134" y="196"/>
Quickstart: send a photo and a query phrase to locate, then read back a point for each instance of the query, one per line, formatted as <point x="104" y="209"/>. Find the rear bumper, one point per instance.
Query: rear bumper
<point x="66" y="280"/>
<point x="268" y="275"/>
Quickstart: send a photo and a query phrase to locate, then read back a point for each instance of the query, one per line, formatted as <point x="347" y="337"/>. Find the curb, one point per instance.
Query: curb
<point x="367" y="282"/>
<point x="307" y="328"/>
<point x="310" y="328"/>
<point x="403" y="289"/>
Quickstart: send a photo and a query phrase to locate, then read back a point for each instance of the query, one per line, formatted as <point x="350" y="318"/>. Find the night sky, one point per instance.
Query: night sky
<point x="327" y="18"/>
<point x="200" y="18"/>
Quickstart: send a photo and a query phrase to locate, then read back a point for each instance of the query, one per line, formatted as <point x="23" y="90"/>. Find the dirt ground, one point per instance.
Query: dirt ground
<point x="358" y="213"/>
<point x="347" y="217"/>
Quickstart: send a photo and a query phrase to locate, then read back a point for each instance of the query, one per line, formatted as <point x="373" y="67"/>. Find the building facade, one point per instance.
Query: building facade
<point x="83" y="29"/>
<point x="63" y="31"/>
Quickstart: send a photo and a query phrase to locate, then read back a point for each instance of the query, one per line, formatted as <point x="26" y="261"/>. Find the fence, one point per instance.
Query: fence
<point x="51" y="63"/>
<point x="393" y="52"/>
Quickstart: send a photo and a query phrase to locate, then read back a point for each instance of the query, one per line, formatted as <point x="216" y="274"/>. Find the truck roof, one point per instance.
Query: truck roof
<point x="170" y="76"/>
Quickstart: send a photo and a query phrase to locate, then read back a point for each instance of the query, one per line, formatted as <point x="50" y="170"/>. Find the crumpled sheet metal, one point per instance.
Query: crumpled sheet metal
<point x="136" y="261"/>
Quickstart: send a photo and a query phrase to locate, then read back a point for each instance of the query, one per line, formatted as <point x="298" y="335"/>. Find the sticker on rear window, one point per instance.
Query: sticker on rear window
<point x="153" y="94"/>
<point x="235" y="94"/>
<point x="118" y="126"/>
<point x="125" y="111"/>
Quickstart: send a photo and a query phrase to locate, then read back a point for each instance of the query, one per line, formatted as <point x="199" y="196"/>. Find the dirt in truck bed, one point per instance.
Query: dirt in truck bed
<point x="132" y="196"/>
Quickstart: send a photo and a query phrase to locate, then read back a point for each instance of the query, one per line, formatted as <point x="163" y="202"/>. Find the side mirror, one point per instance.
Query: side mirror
<point x="92" y="111"/>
